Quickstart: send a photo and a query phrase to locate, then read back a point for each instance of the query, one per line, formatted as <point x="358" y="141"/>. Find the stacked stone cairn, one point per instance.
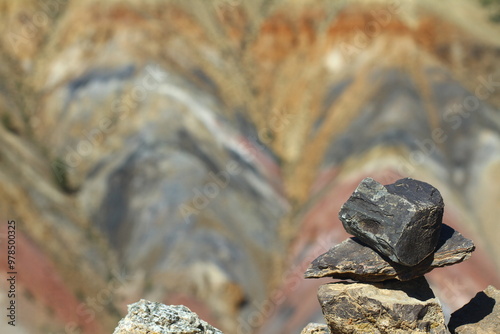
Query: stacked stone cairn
<point x="398" y="237"/>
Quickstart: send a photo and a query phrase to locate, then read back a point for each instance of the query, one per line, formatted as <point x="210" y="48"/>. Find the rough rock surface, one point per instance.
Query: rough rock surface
<point x="480" y="316"/>
<point x="352" y="259"/>
<point x="389" y="307"/>
<point x="224" y="76"/>
<point x="401" y="220"/>
<point x="315" y="328"/>
<point x="145" y="317"/>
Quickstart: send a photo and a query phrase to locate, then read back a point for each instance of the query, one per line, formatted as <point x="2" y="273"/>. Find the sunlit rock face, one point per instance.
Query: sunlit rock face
<point x="198" y="153"/>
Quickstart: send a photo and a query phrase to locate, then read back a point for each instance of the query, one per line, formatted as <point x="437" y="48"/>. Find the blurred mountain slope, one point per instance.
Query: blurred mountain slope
<point x="198" y="152"/>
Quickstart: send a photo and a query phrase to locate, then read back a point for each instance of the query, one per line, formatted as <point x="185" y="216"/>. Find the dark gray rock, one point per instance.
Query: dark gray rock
<point x="401" y="220"/>
<point x="480" y="315"/>
<point x="351" y="259"/>
<point x="389" y="307"/>
<point x="150" y="317"/>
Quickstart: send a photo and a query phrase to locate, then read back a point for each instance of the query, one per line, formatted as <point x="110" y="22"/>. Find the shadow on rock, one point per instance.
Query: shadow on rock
<point x="473" y="312"/>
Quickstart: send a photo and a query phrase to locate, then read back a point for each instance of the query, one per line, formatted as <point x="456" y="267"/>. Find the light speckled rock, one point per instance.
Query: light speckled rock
<point x="380" y="308"/>
<point x="315" y="328"/>
<point x="145" y="317"/>
<point x="480" y="316"/>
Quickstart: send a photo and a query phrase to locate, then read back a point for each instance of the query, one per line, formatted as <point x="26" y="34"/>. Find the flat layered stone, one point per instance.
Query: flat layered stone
<point x="352" y="259"/>
<point x="479" y="316"/>
<point x="391" y="307"/>
<point x="401" y="220"/>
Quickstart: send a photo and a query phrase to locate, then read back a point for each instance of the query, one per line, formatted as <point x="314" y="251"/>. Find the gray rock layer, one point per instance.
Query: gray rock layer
<point x="401" y="220"/>
<point x="351" y="259"/>
<point x="145" y="317"/>
<point x="480" y="316"/>
<point x="380" y="308"/>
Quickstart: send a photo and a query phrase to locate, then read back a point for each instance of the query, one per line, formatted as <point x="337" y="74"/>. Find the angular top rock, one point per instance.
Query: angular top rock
<point x="401" y="220"/>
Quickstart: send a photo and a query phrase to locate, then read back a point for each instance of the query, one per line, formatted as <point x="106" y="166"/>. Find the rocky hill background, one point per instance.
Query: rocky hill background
<point x="198" y="152"/>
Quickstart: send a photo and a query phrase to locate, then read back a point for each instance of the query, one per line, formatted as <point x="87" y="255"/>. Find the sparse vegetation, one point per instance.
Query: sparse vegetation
<point x="7" y="121"/>
<point x="60" y="172"/>
<point x="494" y="7"/>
